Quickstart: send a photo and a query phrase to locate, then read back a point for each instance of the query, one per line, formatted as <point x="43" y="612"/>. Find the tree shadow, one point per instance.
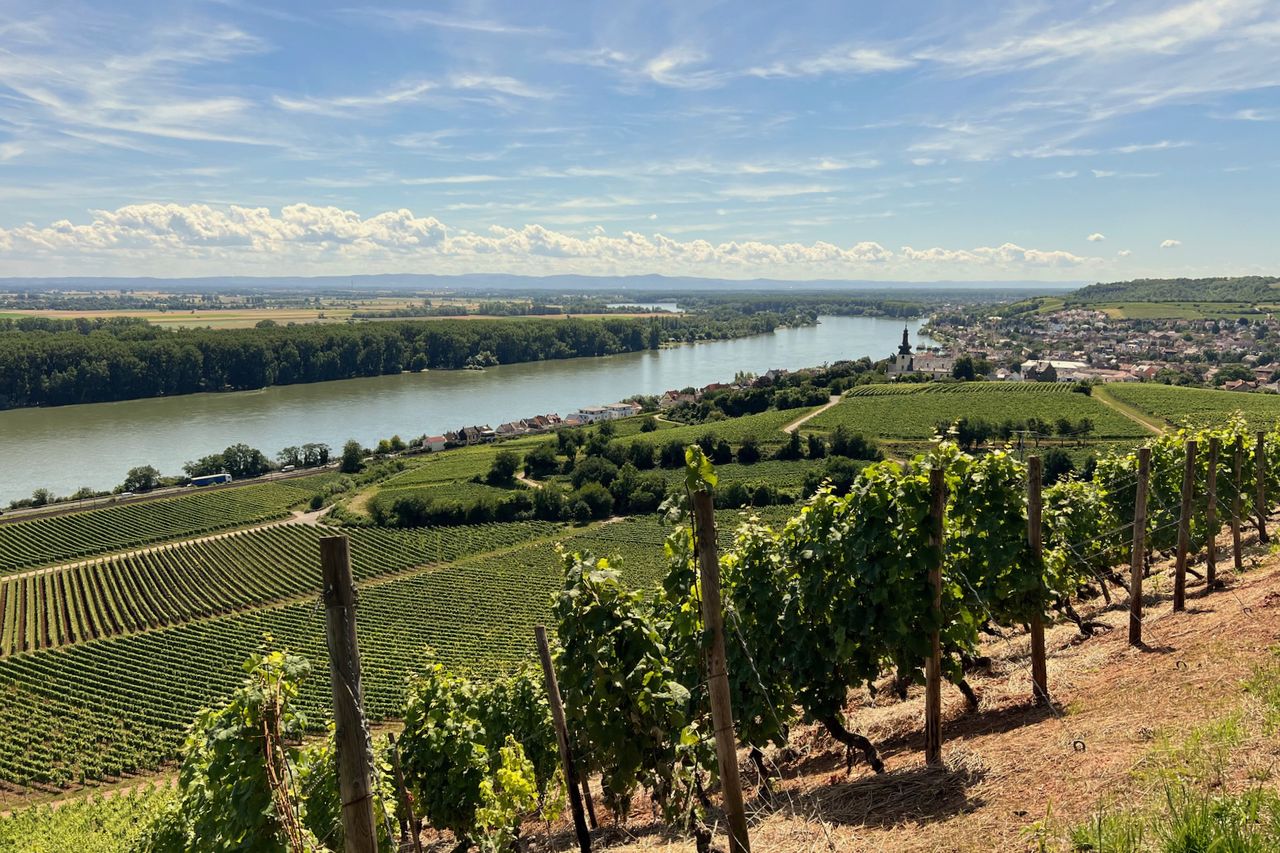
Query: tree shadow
<point x="915" y="795"/>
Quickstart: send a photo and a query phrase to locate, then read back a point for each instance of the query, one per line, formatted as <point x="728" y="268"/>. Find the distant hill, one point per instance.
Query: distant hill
<point x="1251" y="289"/>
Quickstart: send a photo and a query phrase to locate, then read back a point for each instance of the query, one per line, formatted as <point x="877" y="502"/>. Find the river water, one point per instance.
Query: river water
<point x="66" y="447"/>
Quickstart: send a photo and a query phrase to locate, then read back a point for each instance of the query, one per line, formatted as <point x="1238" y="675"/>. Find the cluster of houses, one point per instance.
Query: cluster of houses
<point x="1088" y="344"/>
<point x="469" y="435"/>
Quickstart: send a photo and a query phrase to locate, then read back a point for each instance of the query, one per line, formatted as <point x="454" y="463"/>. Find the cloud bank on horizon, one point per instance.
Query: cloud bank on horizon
<point x="796" y="140"/>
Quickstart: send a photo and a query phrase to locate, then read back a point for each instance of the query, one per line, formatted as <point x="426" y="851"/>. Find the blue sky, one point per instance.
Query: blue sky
<point x="961" y="140"/>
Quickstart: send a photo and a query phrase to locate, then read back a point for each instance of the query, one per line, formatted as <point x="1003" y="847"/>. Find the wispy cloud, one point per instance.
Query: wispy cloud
<point x="1170" y="244"/>
<point x="423" y="18"/>
<point x="1095" y="237"/>
<point x="844" y="60"/>
<point x="347" y="104"/>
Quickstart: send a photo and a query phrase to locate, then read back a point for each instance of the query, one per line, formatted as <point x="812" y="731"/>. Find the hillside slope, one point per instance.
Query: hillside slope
<point x="1198" y="706"/>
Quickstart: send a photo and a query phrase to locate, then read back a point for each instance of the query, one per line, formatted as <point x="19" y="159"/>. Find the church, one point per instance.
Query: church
<point x="927" y="363"/>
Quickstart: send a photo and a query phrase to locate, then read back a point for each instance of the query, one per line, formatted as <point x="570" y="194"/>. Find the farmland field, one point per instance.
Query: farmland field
<point x="902" y="414"/>
<point x="178" y="583"/>
<point x="25" y="544"/>
<point x="1198" y="406"/>
<point x="118" y="705"/>
<point x="765" y="428"/>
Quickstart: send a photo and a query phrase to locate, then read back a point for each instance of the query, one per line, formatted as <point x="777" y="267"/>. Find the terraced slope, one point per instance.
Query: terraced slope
<point x="62" y="538"/>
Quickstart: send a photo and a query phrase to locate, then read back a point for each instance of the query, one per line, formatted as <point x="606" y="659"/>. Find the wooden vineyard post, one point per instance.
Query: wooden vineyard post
<point x="589" y="803"/>
<point x="1260" y="486"/>
<point x="1137" y="557"/>
<point x="718" y="673"/>
<point x="562" y="739"/>
<point x="1237" y="502"/>
<point x="1039" y="666"/>
<point x="933" y="663"/>
<point x="408" y="819"/>
<point x="351" y="735"/>
<point x="1184" y="529"/>
<point x="1211" y="516"/>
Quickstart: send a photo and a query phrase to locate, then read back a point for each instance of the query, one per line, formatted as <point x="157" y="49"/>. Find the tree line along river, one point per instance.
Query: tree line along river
<point x="67" y="447"/>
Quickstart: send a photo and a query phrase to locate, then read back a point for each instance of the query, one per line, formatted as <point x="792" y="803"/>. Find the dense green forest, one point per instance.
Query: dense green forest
<point x="45" y="362"/>
<point x="1251" y="288"/>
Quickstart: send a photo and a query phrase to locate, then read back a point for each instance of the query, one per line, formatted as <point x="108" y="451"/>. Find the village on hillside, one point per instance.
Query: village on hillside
<point x="1088" y="345"/>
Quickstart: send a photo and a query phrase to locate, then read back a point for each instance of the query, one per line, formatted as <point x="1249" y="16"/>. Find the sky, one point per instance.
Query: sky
<point x="937" y="139"/>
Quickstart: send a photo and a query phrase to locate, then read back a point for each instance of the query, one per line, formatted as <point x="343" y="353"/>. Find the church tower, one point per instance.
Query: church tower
<point x="903" y="362"/>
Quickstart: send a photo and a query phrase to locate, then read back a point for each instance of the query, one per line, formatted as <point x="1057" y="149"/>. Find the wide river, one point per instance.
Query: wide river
<point x="66" y="447"/>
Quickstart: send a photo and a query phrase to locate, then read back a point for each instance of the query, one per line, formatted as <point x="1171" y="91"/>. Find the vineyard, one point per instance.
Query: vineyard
<point x="915" y="411"/>
<point x="177" y="583"/>
<point x="765" y="428"/>
<point x="890" y="389"/>
<point x="793" y="585"/>
<point x="1197" y="407"/>
<point x="61" y="538"/>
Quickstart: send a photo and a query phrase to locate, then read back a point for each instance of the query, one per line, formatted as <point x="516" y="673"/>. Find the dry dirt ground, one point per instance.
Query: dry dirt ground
<point x="1013" y="766"/>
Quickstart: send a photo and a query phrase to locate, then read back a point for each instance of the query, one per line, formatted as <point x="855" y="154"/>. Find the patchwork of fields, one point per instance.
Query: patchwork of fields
<point x="103" y="664"/>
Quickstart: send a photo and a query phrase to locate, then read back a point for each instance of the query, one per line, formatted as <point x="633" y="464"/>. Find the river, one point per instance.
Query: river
<point x="66" y="447"/>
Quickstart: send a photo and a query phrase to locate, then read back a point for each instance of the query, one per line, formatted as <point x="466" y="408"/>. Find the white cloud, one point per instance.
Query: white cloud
<point x="423" y="18"/>
<point x="1124" y="253"/>
<point x="1095" y="237"/>
<point x="1062" y="174"/>
<point x="1256" y="115"/>
<point x="1165" y="31"/>
<point x="1170" y="244"/>
<point x="342" y="105"/>
<point x="765" y="192"/>
<point x="1162" y="145"/>
<point x="844" y="60"/>
<point x="677" y="68"/>
<point x="1102" y="173"/>
<point x="197" y="238"/>
<point x="451" y="179"/>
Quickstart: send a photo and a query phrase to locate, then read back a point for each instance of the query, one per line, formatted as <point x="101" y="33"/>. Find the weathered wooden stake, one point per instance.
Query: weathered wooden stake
<point x="1137" y="557"/>
<point x="408" y="818"/>
<point x="589" y="803"/>
<point x="718" y="674"/>
<point x="1260" y="486"/>
<point x="1237" y="502"/>
<point x="1211" y="516"/>
<point x="351" y="736"/>
<point x="1184" y="528"/>
<point x="562" y="739"/>
<point x="933" y="663"/>
<point x="1035" y="505"/>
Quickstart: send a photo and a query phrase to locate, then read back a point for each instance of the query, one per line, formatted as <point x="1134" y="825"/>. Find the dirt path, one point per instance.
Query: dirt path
<point x="297" y="517"/>
<point x="524" y="478"/>
<point x="1103" y="396"/>
<point x="800" y="421"/>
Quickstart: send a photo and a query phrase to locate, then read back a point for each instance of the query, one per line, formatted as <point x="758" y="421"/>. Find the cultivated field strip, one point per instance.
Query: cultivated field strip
<point x="179" y="583"/>
<point x="62" y="538"/>
<point x="895" y="388"/>
<point x="1198" y="407"/>
<point x="917" y="411"/>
